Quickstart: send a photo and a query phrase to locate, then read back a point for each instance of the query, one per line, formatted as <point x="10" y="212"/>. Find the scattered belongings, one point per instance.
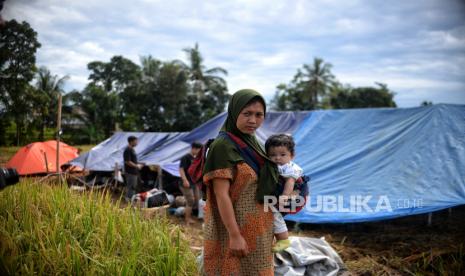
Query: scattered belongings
<point x="95" y="181"/>
<point x="308" y="256"/>
<point x="150" y="199"/>
<point x="152" y="203"/>
<point x="150" y="213"/>
<point x="180" y="211"/>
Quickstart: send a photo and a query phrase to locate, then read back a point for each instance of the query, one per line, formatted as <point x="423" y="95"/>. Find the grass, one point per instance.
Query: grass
<point x="6" y="153"/>
<point x="45" y="229"/>
<point x="84" y="148"/>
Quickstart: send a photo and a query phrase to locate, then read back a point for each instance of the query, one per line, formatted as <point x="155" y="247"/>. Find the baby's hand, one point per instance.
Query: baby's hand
<point x="283" y="200"/>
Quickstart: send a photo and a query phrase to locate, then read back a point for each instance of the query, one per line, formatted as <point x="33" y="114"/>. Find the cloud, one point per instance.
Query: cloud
<point x="418" y="49"/>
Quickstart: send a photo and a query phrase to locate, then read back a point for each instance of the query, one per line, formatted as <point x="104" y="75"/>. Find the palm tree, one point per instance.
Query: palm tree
<point x="208" y="91"/>
<point x="318" y="78"/>
<point x="203" y="79"/>
<point x="48" y="87"/>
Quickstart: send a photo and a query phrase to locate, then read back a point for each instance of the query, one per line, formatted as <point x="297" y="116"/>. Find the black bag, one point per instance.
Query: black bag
<point x="158" y="199"/>
<point x="8" y="177"/>
<point x="150" y="199"/>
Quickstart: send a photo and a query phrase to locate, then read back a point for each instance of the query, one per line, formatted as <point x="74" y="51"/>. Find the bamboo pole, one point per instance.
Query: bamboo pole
<point x="46" y="161"/>
<point x="160" y="177"/>
<point x="58" y="137"/>
<point x="115" y="175"/>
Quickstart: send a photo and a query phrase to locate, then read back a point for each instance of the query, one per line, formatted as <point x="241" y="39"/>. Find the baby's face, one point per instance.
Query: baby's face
<point x="280" y="155"/>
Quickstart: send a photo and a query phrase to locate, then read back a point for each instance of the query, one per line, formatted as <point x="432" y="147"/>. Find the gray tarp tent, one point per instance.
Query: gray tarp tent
<point x="165" y="149"/>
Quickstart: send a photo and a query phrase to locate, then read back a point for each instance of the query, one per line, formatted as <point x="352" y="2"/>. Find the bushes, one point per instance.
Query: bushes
<point x="50" y="230"/>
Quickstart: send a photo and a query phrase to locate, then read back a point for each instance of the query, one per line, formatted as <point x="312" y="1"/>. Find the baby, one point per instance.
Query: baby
<point x="280" y="149"/>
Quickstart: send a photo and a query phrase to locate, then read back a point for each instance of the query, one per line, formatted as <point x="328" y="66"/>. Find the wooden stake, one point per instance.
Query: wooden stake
<point x="46" y="161"/>
<point x="115" y="175"/>
<point x="160" y="177"/>
<point x="58" y="137"/>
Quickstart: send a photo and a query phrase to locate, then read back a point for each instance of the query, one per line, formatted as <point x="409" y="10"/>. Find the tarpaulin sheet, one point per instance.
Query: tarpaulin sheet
<point x="168" y="156"/>
<point x="308" y="256"/>
<point x="166" y="149"/>
<point x="373" y="164"/>
<point x="104" y="156"/>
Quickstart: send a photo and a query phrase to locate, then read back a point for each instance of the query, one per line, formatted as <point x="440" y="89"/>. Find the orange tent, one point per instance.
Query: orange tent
<point x="31" y="159"/>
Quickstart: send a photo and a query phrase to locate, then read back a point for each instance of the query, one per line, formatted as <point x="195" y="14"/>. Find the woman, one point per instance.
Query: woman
<point x="238" y="231"/>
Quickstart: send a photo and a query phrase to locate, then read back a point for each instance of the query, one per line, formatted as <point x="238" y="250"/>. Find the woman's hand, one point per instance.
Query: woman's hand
<point x="238" y="246"/>
<point x="185" y="183"/>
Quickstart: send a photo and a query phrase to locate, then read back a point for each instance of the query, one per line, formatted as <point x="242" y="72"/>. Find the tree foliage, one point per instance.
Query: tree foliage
<point x="315" y="87"/>
<point x="310" y="84"/>
<point x="18" y="45"/>
<point x="152" y="95"/>
<point x="207" y="88"/>
<point x="45" y="99"/>
<point x="361" y="97"/>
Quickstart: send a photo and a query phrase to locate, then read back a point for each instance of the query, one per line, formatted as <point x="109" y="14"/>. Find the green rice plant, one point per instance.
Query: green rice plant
<point x="47" y="229"/>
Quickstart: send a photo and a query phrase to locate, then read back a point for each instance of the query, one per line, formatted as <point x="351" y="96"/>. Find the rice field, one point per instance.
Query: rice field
<point x="47" y="229"/>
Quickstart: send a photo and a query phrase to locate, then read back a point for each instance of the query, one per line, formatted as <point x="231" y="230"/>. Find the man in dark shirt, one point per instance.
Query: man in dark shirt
<point x="188" y="188"/>
<point x="131" y="167"/>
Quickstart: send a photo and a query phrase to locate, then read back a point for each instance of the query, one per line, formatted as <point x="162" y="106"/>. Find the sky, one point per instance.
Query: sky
<point x="417" y="47"/>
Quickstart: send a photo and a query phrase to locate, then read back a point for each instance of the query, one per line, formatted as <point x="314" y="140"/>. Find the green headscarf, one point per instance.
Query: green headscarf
<point x="223" y="154"/>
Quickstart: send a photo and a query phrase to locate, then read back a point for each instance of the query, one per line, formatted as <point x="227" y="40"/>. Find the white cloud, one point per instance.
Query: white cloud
<point x="416" y="48"/>
<point x="77" y="81"/>
<point x="90" y="47"/>
<point x="444" y="39"/>
<point x="59" y="14"/>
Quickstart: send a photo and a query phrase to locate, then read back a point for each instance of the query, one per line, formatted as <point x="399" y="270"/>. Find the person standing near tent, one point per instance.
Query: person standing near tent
<point x="131" y="167"/>
<point x="238" y="231"/>
<point x="187" y="186"/>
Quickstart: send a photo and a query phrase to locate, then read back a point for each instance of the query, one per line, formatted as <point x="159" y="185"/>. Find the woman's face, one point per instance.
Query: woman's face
<point x="251" y="118"/>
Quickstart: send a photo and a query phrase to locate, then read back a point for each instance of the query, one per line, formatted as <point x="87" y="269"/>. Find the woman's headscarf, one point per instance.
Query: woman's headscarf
<point x="223" y="154"/>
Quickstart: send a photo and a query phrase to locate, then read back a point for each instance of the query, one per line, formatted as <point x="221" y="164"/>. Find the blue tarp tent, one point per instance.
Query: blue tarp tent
<point x="104" y="156"/>
<point x="165" y="149"/>
<point x="373" y="164"/>
<point x="168" y="157"/>
<point x="365" y="164"/>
